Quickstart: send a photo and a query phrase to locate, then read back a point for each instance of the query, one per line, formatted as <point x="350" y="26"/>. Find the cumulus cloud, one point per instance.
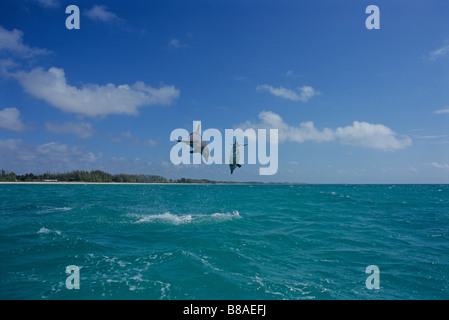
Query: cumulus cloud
<point x="102" y="13"/>
<point x="376" y="136"/>
<point x="363" y="134"/>
<point x="92" y="99"/>
<point x="9" y="144"/>
<point x="10" y="119"/>
<point x="57" y="152"/>
<point x="12" y="42"/>
<point x="306" y="131"/>
<point x="52" y="156"/>
<point x="303" y="94"/>
<point x="81" y="129"/>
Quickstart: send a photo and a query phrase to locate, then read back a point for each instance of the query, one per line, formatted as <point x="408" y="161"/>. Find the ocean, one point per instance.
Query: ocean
<point x="270" y="242"/>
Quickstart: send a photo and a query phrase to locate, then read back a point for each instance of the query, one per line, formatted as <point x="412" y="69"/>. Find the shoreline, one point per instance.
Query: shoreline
<point x="127" y="183"/>
<point x="204" y="183"/>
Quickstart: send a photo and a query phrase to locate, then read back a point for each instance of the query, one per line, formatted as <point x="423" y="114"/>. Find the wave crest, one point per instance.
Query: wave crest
<point x="174" y="219"/>
<point x="44" y="230"/>
<point x="167" y="217"/>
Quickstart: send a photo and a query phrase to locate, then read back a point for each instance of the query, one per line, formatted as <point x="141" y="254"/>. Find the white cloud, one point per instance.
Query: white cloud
<point x="439" y="53"/>
<point x="412" y="169"/>
<point x="176" y="43"/>
<point x="10" y="119"/>
<point x="17" y="156"/>
<point x="55" y="152"/>
<point x="118" y="138"/>
<point x="364" y="134"/>
<point x="9" y="144"/>
<point x="439" y="165"/>
<point x="165" y="164"/>
<point x="81" y="129"/>
<point x="441" y="136"/>
<point x="92" y="99"/>
<point x="442" y="111"/>
<point x="152" y="142"/>
<point x="305" y="132"/>
<point x="240" y="78"/>
<point x="128" y="135"/>
<point x="12" y="41"/>
<point x="101" y="13"/>
<point x="130" y="138"/>
<point x="279" y="92"/>
<point x="376" y="136"/>
<point x="5" y="65"/>
<point x="303" y="94"/>
<point x="307" y="92"/>
<point x="48" y="3"/>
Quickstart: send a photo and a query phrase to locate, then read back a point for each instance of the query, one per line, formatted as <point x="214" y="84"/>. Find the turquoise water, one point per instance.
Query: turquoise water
<point x="224" y="241"/>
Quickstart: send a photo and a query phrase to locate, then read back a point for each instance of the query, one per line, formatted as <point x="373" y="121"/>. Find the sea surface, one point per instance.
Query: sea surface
<point x="224" y="241"/>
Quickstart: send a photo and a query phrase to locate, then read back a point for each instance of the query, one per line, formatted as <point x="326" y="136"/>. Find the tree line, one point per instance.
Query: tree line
<point x="93" y="176"/>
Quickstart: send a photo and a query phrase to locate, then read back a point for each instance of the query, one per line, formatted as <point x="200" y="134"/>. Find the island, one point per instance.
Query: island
<point x="98" y="176"/>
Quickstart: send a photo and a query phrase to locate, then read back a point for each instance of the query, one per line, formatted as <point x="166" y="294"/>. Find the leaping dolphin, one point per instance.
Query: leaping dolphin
<point x="197" y="144"/>
<point x="234" y="157"/>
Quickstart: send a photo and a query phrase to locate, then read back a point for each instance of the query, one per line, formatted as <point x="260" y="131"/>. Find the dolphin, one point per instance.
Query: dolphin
<point x="197" y="144"/>
<point x="234" y="157"/>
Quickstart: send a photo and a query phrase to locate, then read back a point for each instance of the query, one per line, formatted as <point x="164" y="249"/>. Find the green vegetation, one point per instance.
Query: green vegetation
<point x="104" y="177"/>
<point x="94" y="176"/>
<point x="10" y="176"/>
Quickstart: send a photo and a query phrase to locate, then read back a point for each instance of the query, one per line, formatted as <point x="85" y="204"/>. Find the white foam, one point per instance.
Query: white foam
<point x="44" y="230"/>
<point x="225" y="215"/>
<point x="46" y="210"/>
<point x="167" y="217"/>
<point x="63" y="209"/>
<point x="174" y="219"/>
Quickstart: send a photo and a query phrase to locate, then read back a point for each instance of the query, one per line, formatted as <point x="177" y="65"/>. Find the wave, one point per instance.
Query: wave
<point x="44" y="230"/>
<point x="46" y="209"/>
<point x="167" y="217"/>
<point x="226" y="216"/>
<point x="174" y="219"/>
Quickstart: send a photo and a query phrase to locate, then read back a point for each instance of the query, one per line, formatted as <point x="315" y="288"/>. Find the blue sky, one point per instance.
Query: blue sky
<point x="352" y="105"/>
